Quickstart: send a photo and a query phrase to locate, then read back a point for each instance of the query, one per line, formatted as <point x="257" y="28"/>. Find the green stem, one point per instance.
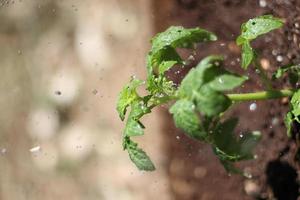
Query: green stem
<point x="262" y="95"/>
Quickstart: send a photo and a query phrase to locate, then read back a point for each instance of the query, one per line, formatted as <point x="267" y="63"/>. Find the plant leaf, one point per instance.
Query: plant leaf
<point x="292" y="70"/>
<point x="127" y="96"/>
<point x="259" y="26"/>
<point x="228" y="148"/>
<point x="138" y="156"/>
<point x="210" y="102"/>
<point x="224" y="80"/>
<point x="288" y="121"/>
<point x="164" y="44"/>
<point x="133" y="126"/>
<point x="185" y="118"/>
<point x="251" y="30"/>
<point x="204" y="83"/>
<point x="165" y="66"/>
<point x="295" y="102"/>
<point x="247" y="55"/>
<point x="196" y="78"/>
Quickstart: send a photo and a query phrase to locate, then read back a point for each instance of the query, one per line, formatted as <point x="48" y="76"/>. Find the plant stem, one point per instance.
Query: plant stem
<point x="262" y="95"/>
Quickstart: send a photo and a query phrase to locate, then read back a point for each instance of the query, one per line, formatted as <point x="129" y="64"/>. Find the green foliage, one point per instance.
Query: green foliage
<point x="138" y="156"/>
<point x="203" y="84"/>
<point x="185" y="117"/>
<point x="161" y="58"/>
<point x="127" y="96"/>
<point x="164" y="44"/>
<point x="293" y="72"/>
<point x="294" y="113"/>
<point x="201" y="98"/>
<point x="251" y="30"/>
<point x="229" y="148"/>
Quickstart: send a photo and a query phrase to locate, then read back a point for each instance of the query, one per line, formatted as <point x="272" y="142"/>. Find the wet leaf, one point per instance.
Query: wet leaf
<point x="204" y="83"/>
<point x="165" y="43"/>
<point x="247" y="55"/>
<point x="288" y="121"/>
<point x="165" y="66"/>
<point x="133" y="126"/>
<point x="127" y="96"/>
<point x="295" y="102"/>
<point x="228" y="147"/>
<point x="185" y="118"/>
<point x="259" y="26"/>
<point x="210" y="102"/>
<point x="138" y="156"/>
<point x="251" y="30"/>
<point x="292" y="70"/>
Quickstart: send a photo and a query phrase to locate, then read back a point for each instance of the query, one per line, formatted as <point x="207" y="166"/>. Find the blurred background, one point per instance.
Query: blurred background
<point x="62" y="65"/>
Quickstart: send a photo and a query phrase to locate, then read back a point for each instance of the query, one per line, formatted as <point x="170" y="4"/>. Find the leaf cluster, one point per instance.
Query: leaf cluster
<point x="201" y="99"/>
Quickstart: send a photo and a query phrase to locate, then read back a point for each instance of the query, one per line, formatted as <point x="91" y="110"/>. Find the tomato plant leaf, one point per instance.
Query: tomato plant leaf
<point x="251" y="30"/>
<point x="228" y="147"/>
<point x="288" y="121"/>
<point x="224" y="80"/>
<point x="133" y="126"/>
<point x="127" y="96"/>
<point x="165" y="65"/>
<point x="165" y="43"/>
<point x="295" y="104"/>
<point x="292" y="70"/>
<point x="210" y="102"/>
<point x="259" y="26"/>
<point x="186" y="118"/>
<point x="247" y="55"/>
<point x="204" y="84"/>
<point x="138" y="156"/>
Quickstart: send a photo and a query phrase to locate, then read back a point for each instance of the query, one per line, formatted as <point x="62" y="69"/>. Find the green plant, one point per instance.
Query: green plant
<point x="202" y="97"/>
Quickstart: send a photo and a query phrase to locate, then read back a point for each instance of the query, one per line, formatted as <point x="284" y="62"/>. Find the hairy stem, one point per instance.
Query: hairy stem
<point x="262" y="95"/>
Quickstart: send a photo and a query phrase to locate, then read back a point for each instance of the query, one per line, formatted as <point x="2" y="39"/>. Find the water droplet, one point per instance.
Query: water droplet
<point x="178" y="137"/>
<point x="252" y="106"/>
<point x="279" y="58"/>
<point x="275" y="121"/>
<point x="262" y="3"/>
<point x="220" y="80"/>
<point x="35" y="149"/>
<point x="3" y="151"/>
<point x="248" y="175"/>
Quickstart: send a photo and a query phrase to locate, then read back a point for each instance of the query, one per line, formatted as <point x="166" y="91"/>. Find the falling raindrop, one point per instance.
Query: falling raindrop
<point x="279" y="58"/>
<point x="275" y="121"/>
<point x="35" y="149"/>
<point x="252" y="106"/>
<point x="262" y="3"/>
<point x="221" y="80"/>
<point x="3" y="151"/>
